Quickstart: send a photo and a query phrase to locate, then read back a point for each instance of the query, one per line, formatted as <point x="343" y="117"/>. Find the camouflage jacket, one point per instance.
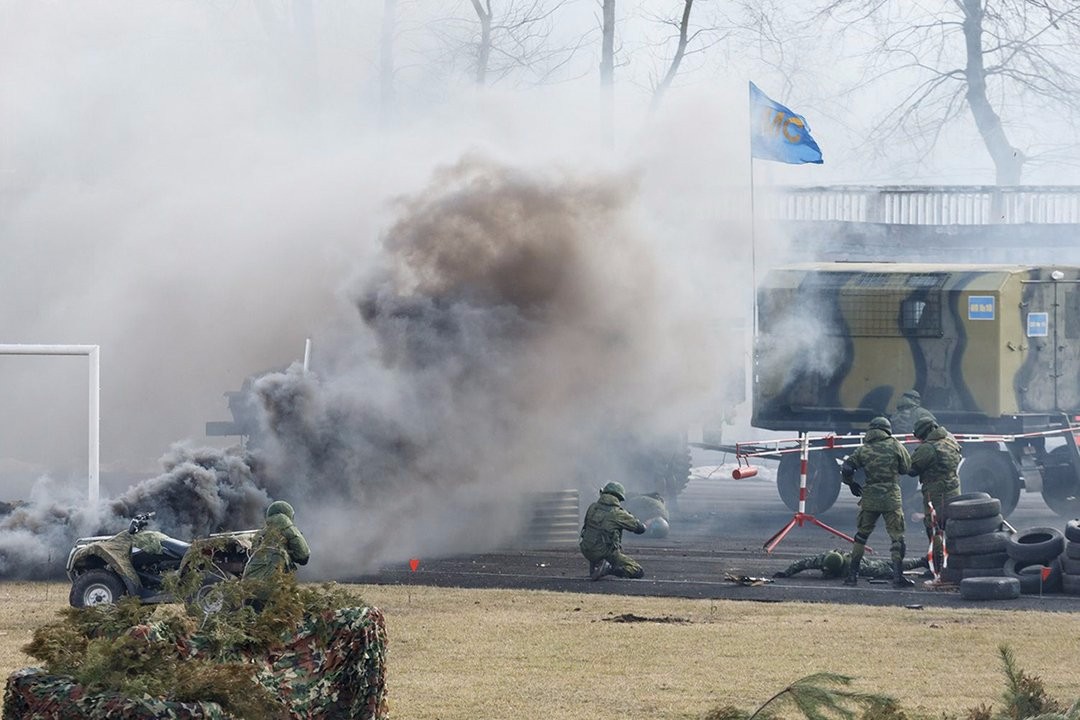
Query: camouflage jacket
<point x="879" y="568"/>
<point x="278" y="546"/>
<point x="935" y="461"/>
<point x="884" y="460"/>
<point x="602" y="531"/>
<point x="906" y="415"/>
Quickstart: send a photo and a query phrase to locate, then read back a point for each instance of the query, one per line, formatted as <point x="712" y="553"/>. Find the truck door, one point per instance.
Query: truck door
<point x="1052" y="334"/>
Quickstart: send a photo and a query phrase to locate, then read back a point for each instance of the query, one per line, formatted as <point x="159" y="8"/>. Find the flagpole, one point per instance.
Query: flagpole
<point x="753" y="248"/>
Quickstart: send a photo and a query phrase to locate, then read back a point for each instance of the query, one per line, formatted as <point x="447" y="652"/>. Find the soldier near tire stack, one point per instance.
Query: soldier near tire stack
<point x="909" y="410"/>
<point x="884" y="460"/>
<point x="601" y="535"/>
<point x="935" y="462"/>
<point x="834" y="564"/>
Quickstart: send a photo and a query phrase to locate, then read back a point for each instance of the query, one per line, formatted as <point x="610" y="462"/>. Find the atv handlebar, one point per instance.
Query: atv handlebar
<point x="139" y="522"/>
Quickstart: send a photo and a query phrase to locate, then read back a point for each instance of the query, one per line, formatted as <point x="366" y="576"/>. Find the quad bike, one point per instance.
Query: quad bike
<point x="137" y="562"/>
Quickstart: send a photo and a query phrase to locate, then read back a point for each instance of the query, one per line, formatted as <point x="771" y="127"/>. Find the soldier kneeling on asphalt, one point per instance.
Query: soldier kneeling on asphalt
<point x="835" y="564"/>
<point x="601" y="535"/>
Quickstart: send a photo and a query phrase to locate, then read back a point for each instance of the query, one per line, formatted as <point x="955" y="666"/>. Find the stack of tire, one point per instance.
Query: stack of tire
<point x="1035" y="559"/>
<point x="974" y="537"/>
<point x="1070" y="559"/>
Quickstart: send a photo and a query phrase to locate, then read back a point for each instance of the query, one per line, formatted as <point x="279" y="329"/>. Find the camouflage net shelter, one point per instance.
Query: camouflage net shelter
<point x="333" y="666"/>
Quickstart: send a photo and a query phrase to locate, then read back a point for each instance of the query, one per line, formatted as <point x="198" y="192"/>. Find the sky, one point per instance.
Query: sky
<point x="199" y="189"/>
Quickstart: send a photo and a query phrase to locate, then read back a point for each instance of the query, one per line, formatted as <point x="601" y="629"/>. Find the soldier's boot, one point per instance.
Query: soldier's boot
<point x="898" y="578"/>
<point x="600" y="569"/>
<point x="853" y="572"/>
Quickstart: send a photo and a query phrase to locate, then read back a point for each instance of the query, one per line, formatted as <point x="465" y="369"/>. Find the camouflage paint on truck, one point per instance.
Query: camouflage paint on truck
<point x="990" y="348"/>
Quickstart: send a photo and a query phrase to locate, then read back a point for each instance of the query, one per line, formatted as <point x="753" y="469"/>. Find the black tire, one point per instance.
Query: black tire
<point x="993" y="472"/>
<point x="1072" y="549"/>
<point x="974" y="508"/>
<point x="1060" y="491"/>
<point x="1070" y="566"/>
<point x="1030" y="576"/>
<point x="990" y="588"/>
<point x="96" y="587"/>
<point x="978" y="562"/>
<point x="1072" y="530"/>
<point x="966" y="527"/>
<point x="985" y="544"/>
<point x="962" y="496"/>
<point x="209" y="597"/>
<point x="982" y="572"/>
<point x="1070" y="584"/>
<point x="822" y="481"/>
<point x="1036" y="545"/>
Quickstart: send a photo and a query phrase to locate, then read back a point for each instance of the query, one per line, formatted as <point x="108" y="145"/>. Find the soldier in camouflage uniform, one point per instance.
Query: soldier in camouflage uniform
<point x="834" y="564"/>
<point x="651" y="510"/>
<point x="278" y="547"/>
<point x="909" y="410"/>
<point x="935" y="462"/>
<point x="884" y="460"/>
<point x="601" y="535"/>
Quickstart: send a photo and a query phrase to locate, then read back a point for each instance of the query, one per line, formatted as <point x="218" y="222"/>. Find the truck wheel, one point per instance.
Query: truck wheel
<point x="96" y="587"/>
<point x="993" y="472"/>
<point x="1060" y="491"/>
<point x="822" y="481"/>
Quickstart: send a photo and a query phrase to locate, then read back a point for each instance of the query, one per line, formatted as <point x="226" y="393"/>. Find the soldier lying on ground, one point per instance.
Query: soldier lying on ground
<point x="834" y="564"/>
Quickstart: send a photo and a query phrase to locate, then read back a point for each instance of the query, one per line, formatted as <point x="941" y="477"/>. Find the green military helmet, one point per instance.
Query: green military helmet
<point x="616" y="489"/>
<point x="913" y="395"/>
<point x="881" y="423"/>
<point x="280" y="507"/>
<point x="923" y="427"/>
<point x="833" y="564"/>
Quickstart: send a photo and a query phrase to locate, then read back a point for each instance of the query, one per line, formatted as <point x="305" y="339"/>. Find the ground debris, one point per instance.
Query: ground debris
<point x="632" y="618"/>
<point x="747" y="579"/>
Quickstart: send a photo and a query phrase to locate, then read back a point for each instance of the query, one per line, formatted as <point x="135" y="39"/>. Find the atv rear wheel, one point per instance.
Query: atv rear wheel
<point x="96" y="587"/>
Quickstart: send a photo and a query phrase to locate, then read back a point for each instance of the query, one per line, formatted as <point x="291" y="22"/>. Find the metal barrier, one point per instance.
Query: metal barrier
<point x="925" y="204"/>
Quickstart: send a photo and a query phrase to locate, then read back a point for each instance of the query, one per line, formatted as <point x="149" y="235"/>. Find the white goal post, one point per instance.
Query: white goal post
<point x="93" y="352"/>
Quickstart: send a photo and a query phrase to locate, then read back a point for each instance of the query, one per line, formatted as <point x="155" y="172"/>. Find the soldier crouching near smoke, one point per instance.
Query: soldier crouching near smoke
<point x="277" y="548"/>
<point x="601" y="535"/>
<point x="884" y="460"/>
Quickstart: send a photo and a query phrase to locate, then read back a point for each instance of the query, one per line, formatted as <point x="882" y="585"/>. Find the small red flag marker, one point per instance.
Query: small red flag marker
<point x="414" y="563"/>
<point x="1045" y="573"/>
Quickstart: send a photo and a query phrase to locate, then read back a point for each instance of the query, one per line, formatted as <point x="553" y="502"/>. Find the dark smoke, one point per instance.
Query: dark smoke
<point x="512" y="324"/>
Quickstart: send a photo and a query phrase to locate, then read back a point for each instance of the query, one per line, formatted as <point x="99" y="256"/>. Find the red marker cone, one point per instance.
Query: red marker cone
<point x="414" y="563"/>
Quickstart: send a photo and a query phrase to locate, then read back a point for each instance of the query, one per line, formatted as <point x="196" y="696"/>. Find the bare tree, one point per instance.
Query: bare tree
<point x="607" y="45"/>
<point x="1010" y="63"/>
<point x="386" y="60"/>
<point x="513" y="38"/>
<point x="689" y="40"/>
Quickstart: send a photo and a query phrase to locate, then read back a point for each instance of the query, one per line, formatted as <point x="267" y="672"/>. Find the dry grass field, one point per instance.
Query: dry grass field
<point x="488" y="654"/>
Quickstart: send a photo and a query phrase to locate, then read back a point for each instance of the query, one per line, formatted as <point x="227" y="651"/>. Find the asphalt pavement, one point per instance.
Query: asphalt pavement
<point x="716" y="550"/>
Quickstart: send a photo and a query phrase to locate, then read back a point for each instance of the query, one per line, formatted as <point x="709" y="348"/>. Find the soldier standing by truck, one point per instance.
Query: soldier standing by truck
<point x="909" y="410"/>
<point x="884" y="460"/>
<point x="935" y="462"/>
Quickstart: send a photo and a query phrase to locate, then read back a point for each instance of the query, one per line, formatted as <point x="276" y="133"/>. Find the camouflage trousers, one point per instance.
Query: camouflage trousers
<point x="894" y="525"/>
<point x="623" y="565"/>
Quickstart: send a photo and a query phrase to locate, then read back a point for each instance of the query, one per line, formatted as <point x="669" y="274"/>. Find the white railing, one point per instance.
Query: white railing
<point x="926" y="205"/>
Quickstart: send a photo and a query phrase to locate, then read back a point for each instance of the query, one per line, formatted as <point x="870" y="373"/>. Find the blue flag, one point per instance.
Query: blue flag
<point x="778" y="134"/>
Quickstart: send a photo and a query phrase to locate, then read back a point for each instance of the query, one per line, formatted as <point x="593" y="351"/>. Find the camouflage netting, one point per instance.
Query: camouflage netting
<point x="333" y="666"/>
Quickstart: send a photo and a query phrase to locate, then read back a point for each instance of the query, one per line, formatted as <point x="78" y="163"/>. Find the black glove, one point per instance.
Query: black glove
<point x="640" y="529"/>
<point x="856" y="489"/>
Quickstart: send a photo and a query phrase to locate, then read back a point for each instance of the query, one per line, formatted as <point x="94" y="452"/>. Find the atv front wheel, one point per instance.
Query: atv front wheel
<point x="96" y="587"/>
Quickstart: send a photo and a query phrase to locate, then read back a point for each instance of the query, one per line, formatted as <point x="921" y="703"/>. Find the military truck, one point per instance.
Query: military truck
<point x="994" y="350"/>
